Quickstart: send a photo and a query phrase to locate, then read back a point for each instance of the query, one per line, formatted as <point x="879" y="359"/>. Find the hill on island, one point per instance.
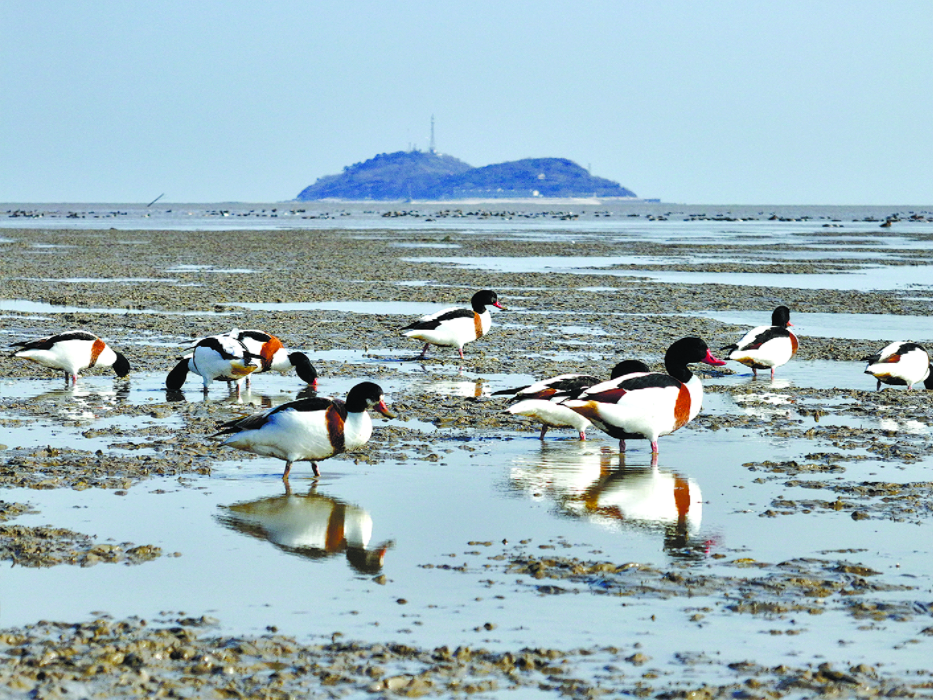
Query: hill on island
<point x="406" y="175"/>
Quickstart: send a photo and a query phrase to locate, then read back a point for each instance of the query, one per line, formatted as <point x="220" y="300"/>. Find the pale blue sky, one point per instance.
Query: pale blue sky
<point x="691" y="102"/>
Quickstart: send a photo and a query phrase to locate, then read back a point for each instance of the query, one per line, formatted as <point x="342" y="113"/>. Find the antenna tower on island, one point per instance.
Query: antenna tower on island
<point x="432" y="148"/>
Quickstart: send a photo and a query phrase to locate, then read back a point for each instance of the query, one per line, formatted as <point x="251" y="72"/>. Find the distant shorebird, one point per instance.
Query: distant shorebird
<point x="455" y="327"/>
<point x="766" y="347"/>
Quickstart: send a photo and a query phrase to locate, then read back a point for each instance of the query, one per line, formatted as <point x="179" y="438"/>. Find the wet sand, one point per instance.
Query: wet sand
<point x="194" y="281"/>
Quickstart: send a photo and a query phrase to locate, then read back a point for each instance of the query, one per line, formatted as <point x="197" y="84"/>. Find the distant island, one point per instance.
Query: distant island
<point x="409" y="175"/>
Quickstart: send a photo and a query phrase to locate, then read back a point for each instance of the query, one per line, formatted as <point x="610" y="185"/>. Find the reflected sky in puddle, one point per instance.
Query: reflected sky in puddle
<point x="100" y="280"/>
<point x="25" y="306"/>
<point x="404" y="308"/>
<point x="874" y="277"/>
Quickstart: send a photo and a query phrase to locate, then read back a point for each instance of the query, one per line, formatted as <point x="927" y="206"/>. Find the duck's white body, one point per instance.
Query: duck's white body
<point x="900" y="364"/>
<point x="309" y="429"/>
<point x="765" y="347"/>
<point x="452" y="327"/>
<point x="72" y="352"/>
<point x="551" y="415"/>
<point x="273" y="354"/>
<point x="646" y="405"/>
<point x="293" y="434"/>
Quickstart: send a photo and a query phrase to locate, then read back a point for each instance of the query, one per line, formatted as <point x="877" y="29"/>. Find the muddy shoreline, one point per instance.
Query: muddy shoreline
<point x="185" y="285"/>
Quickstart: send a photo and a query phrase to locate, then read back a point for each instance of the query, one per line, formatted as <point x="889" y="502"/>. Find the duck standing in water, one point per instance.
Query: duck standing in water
<point x="648" y="404"/>
<point x="72" y="352"/>
<point x="217" y="357"/>
<point x="900" y="364"/>
<point x="766" y="347"/>
<point x="310" y="429"/>
<point x="455" y="327"/>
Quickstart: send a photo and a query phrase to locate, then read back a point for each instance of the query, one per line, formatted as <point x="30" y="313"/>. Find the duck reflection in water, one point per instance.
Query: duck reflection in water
<point x="248" y="397"/>
<point x="598" y="486"/>
<point x="313" y="526"/>
<point x="82" y="404"/>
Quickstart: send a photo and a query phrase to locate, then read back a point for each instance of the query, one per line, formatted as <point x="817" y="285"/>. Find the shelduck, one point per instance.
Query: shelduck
<point x="648" y="404"/>
<point x="217" y="357"/>
<point x="308" y="430"/>
<point x="455" y="327"/>
<point x="766" y="347"/>
<point x="541" y="401"/>
<point x="72" y="352"/>
<point x="900" y="364"/>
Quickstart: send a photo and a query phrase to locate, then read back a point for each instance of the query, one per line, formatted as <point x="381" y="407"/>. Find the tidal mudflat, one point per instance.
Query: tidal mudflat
<point x="779" y="548"/>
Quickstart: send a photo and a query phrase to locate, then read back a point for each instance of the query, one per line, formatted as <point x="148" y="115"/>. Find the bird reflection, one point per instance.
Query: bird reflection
<point x="598" y="486"/>
<point x="82" y="404"/>
<point x="467" y="388"/>
<point x="246" y="397"/>
<point x="313" y="526"/>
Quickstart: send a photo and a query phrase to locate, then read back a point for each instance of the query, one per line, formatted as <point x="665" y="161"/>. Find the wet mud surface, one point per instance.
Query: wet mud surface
<point x="190" y="285"/>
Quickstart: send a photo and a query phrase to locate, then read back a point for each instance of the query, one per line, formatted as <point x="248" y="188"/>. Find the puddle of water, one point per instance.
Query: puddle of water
<point x="425" y="245"/>
<point x="99" y="280"/>
<point x="811" y="374"/>
<point x="211" y="268"/>
<point x="400" y="517"/>
<point x="26" y="306"/>
<point x="402" y="308"/>
<point x="872" y="277"/>
<point x="552" y="263"/>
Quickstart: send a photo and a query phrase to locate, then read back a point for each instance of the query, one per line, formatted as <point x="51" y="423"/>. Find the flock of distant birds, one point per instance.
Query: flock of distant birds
<point x="634" y="403"/>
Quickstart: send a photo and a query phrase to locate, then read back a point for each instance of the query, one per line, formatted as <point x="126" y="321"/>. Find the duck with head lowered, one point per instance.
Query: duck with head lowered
<point x="542" y="400"/>
<point x="72" y="352"/>
<point x="901" y="364"/>
<point x="766" y="347"/>
<point x="215" y="358"/>
<point x="308" y="430"/>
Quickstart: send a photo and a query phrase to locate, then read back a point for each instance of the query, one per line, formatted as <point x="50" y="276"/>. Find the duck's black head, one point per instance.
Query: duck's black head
<point x="781" y="317"/>
<point x="367" y="395"/>
<point x="628" y="367"/>
<point x="484" y="298"/>
<point x="303" y="368"/>
<point x="121" y="365"/>
<point x="685" y="351"/>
